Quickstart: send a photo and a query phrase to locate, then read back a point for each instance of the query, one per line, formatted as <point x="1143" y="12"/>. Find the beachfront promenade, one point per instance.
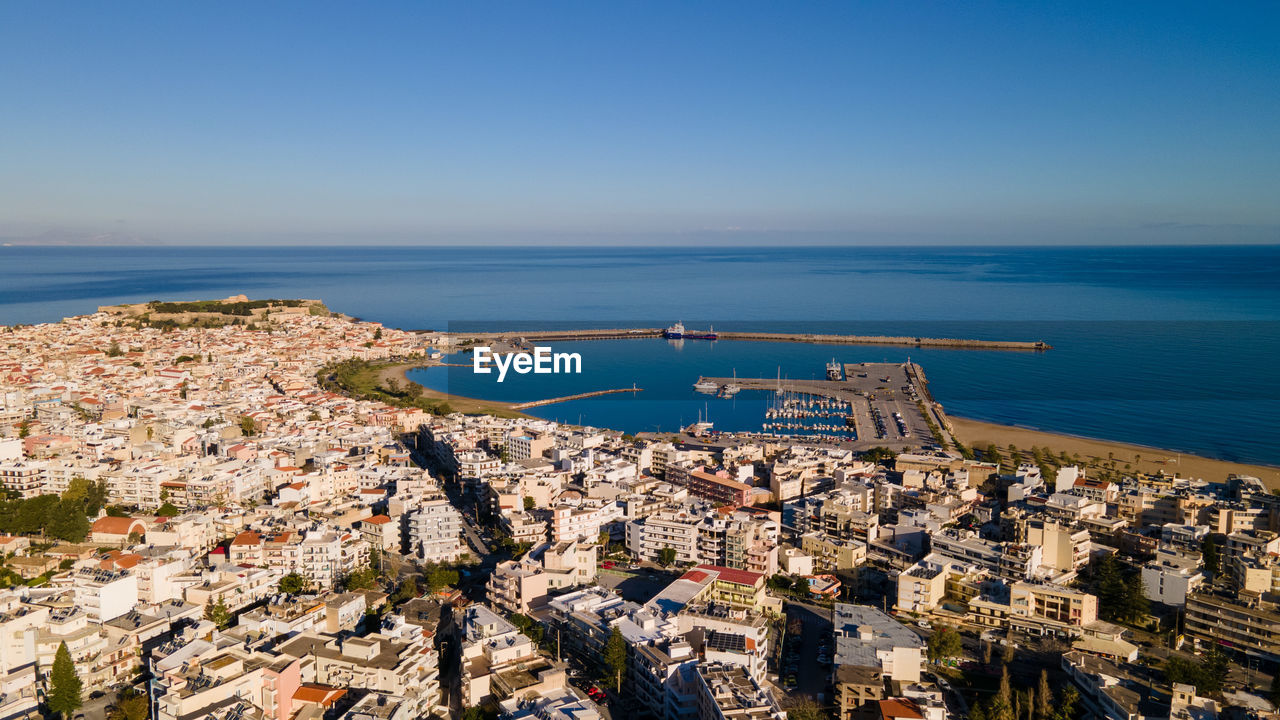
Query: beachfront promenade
<point x="529" y="336"/>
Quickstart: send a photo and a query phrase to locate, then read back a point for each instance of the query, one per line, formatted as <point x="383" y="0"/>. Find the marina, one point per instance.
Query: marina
<point x="873" y="404"/>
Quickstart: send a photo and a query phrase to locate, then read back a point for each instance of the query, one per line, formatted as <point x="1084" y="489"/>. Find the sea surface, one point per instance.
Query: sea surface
<point x="1173" y="347"/>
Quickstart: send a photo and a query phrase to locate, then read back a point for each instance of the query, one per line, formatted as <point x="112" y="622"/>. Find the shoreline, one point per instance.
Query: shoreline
<point x="973" y="433"/>
<point x="978" y="434"/>
<point x="400" y="373"/>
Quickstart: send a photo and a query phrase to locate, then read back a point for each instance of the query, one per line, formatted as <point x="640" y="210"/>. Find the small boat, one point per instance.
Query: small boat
<point x="732" y="388"/>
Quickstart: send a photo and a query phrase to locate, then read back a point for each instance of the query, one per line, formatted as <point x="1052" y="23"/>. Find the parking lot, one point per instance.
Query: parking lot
<point x="637" y="583"/>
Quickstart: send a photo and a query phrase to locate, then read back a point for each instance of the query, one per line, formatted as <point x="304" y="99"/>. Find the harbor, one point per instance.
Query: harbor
<point x="866" y="404"/>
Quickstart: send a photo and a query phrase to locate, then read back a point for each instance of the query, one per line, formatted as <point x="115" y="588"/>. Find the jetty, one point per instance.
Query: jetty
<point x="520" y="338"/>
<point x="883" y="404"/>
<point x="888" y="340"/>
<point x="567" y="398"/>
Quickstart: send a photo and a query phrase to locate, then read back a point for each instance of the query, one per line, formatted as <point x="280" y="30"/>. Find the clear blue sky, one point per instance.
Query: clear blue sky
<point x="641" y="122"/>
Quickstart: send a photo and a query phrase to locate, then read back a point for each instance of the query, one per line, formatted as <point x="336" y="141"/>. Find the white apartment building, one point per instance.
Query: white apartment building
<point x="670" y="528"/>
<point x="1170" y="577"/>
<point x="571" y="523"/>
<point x="435" y="532"/>
<point x="105" y="594"/>
<point x="25" y="478"/>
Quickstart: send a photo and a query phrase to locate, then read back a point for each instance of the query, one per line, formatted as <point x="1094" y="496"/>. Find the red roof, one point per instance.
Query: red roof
<point x="318" y="694"/>
<point x="247" y="537"/>
<point x="742" y="577"/>
<point x="378" y="520"/>
<point x="118" y="525"/>
<point x="695" y="576"/>
<point x="900" y="708"/>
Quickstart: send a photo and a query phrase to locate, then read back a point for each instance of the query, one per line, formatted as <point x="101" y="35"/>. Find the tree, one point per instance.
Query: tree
<point x="293" y="583"/>
<point x="992" y="455"/>
<point x="168" y="509"/>
<point x="666" y="556"/>
<point x="24" y="429"/>
<point x="1067" y="703"/>
<point x="219" y="614"/>
<point x="530" y="627"/>
<point x="1001" y="705"/>
<point x="407" y="590"/>
<point x="805" y="710"/>
<point x="113" y="350"/>
<point x="413" y="390"/>
<point x="987" y="650"/>
<point x="1136" y="604"/>
<point x="132" y="705"/>
<point x="248" y="427"/>
<point x="529" y="503"/>
<point x="801" y="587"/>
<point x="77" y="490"/>
<point x="1214" y="666"/>
<point x="1044" y="697"/>
<point x="943" y="644"/>
<point x="377" y="334"/>
<point x="361" y="579"/>
<point x="476" y="712"/>
<point x="1209" y="556"/>
<point x="66" y="521"/>
<point x="64" y="684"/>
<point x="880" y="456"/>
<point x="393" y="386"/>
<point x="615" y="658"/>
<point x="1110" y="588"/>
<point x="440" y="577"/>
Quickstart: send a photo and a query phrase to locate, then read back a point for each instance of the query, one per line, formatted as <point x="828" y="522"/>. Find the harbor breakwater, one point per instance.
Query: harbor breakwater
<point x="529" y="336"/>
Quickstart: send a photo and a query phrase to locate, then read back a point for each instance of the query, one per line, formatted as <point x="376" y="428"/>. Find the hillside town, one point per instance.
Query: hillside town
<point x="197" y="524"/>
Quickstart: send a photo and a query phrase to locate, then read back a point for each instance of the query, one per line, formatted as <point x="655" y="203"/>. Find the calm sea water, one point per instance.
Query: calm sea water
<point x="1167" y="346"/>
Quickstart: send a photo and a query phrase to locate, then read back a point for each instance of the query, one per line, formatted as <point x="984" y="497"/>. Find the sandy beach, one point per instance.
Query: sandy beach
<point x="978" y="434"/>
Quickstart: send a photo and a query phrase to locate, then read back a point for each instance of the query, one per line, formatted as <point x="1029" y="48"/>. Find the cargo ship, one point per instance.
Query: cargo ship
<point x="678" y="332"/>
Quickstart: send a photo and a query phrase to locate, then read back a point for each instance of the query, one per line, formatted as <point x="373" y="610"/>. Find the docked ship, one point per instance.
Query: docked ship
<point x="705" y="386"/>
<point x="678" y="332"/>
<point x="834" y="370"/>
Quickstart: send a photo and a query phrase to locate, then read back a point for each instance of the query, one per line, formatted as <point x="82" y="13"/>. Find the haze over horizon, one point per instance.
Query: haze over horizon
<point x="628" y="123"/>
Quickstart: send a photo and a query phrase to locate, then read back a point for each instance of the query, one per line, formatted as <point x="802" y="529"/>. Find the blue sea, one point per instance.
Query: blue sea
<point x="1172" y="347"/>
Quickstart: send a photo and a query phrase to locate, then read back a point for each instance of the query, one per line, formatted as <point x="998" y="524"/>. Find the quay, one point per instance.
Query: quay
<point x="888" y="340"/>
<point x="876" y="396"/>
<point x="518" y="338"/>
<point x="567" y="398"/>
